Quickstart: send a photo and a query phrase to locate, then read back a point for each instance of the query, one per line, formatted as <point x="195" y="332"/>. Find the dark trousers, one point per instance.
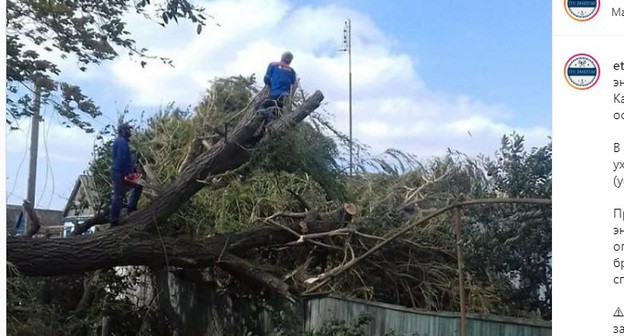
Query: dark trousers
<point x="120" y="188"/>
<point x="270" y="107"/>
<point x="271" y="102"/>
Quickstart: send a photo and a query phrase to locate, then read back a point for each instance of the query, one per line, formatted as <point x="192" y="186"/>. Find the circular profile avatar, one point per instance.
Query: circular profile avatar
<point x="582" y="71"/>
<point x="582" y="10"/>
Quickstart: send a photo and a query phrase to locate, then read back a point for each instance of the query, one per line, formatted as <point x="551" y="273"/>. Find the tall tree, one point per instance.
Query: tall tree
<point x="515" y="252"/>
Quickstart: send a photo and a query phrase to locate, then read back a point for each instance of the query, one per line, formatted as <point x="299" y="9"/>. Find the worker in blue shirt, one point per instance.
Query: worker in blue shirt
<point x="122" y="166"/>
<point x="280" y="78"/>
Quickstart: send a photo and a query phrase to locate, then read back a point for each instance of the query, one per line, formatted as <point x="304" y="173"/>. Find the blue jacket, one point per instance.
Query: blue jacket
<point x="279" y="77"/>
<point x="122" y="158"/>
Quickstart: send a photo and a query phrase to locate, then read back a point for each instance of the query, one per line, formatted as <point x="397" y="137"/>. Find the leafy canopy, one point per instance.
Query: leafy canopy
<point x="87" y="31"/>
<point x="507" y="247"/>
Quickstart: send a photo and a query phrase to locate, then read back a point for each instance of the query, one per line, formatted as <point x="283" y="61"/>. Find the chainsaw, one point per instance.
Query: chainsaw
<point x="137" y="179"/>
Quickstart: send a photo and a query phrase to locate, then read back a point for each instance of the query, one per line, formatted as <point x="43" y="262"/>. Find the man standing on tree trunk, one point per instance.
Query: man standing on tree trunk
<point x="280" y="78"/>
<point x="122" y="167"/>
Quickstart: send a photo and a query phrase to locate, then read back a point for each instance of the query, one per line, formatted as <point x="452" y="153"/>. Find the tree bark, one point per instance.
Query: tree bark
<point x="87" y="294"/>
<point x="101" y="217"/>
<point x="165" y="315"/>
<point x="105" y="326"/>
<point x="125" y="246"/>
<point x="34" y="219"/>
<point x="253" y="276"/>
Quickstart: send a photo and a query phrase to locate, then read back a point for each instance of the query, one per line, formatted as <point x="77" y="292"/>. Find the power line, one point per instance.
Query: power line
<point x="53" y="99"/>
<point x="46" y="135"/>
<point x="49" y="171"/>
<point x="45" y="180"/>
<point x="19" y="168"/>
<point x="34" y="149"/>
<point x="61" y="196"/>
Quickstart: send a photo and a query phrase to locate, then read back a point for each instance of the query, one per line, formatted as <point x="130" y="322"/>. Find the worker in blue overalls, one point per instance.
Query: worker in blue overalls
<point x="122" y="167"/>
<point x="280" y="77"/>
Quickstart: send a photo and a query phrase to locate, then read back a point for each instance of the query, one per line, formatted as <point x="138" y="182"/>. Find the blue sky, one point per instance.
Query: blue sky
<point x="498" y="52"/>
<point x="425" y="74"/>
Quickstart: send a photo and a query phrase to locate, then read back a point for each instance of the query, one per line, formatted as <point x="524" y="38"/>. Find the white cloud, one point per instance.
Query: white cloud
<point x="63" y="154"/>
<point x="56" y="141"/>
<point x="392" y="106"/>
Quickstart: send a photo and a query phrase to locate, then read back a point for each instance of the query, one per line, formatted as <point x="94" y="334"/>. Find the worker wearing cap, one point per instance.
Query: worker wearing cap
<point x="280" y="77"/>
<point x="122" y="166"/>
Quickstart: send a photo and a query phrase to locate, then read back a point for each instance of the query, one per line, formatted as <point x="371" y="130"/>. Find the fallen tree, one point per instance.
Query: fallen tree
<point x="137" y="242"/>
<point x="132" y="246"/>
<point x="268" y="221"/>
<point x="227" y="154"/>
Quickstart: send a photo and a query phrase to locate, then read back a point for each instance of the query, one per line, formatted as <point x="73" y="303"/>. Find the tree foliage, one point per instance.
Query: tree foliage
<point x="343" y="328"/>
<point x="398" y="190"/>
<point x="507" y="247"/>
<point x="47" y="306"/>
<point x="87" y="31"/>
<point x="303" y="160"/>
<point x="514" y="250"/>
<point x="356" y="327"/>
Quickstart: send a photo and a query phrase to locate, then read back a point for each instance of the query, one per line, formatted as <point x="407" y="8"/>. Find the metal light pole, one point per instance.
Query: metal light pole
<point x="347" y="47"/>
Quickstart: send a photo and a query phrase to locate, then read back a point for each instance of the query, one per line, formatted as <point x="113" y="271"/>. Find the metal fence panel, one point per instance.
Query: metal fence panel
<point x="411" y="322"/>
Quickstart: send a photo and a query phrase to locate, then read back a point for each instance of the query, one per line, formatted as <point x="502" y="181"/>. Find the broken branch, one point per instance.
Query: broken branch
<point x="34" y="219"/>
<point x="327" y="276"/>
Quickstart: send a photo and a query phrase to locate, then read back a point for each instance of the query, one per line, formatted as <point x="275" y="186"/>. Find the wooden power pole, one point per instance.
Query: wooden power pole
<point x="34" y="149"/>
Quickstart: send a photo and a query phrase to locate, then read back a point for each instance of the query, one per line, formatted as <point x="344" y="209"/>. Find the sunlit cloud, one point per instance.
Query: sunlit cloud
<point x="392" y="104"/>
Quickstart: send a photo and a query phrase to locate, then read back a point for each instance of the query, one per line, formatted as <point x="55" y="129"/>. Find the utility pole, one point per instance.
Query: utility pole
<point x="347" y="47"/>
<point x="34" y="148"/>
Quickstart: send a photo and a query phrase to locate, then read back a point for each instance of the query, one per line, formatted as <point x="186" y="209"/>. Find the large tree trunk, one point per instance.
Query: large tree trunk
<point x="127" y="246"/>
<point x="135" y="242"/>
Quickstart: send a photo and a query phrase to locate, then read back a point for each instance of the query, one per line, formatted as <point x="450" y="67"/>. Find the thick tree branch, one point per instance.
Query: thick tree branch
<point x="304" y="204"/>
<point x="162" y="294"/>
<point x="100" y="218"/>
<point x="87" y="294"/>
<point x="35" y="223"/>
<point x="252" y="275"/>
<point x="223" y="156"/>
<point x="128" y="245"/>
<point x="132" y="245"/>
<point x="326" y="277"/>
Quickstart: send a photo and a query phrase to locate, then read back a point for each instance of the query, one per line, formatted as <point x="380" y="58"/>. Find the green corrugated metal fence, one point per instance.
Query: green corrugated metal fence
<point x="404" y="321"/>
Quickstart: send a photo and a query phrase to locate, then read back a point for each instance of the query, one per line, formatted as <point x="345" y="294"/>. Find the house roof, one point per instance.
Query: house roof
<point x="86" y="186"/>
<point x="46" y="216"/>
